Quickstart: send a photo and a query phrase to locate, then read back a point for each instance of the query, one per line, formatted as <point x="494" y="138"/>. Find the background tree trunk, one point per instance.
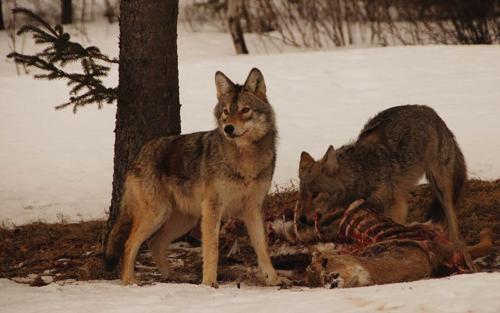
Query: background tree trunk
<point x="66" y="12"/>
<point x="2" y="25"/>
<point x="148" y="95"/>
<point x="234" y="12"/>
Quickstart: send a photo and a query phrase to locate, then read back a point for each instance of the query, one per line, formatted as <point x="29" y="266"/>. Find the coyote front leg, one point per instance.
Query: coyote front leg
<point x="255" y="226"/>
<point x="210" y="225"/>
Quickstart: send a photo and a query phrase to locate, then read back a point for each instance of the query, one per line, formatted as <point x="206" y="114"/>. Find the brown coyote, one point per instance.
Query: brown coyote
<point x="393" y="151"/>
<point x="178" y="179"/>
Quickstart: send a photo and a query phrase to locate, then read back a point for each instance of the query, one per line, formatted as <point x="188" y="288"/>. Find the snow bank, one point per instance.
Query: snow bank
<point x="55" y="163"/>
<point x="476" y="293"/>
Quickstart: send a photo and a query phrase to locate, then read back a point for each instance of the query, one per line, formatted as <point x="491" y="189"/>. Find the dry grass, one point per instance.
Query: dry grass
<point x="73" y="250"/>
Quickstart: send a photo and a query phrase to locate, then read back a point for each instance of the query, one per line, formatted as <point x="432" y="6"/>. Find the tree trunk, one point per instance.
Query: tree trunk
<point x="148" y="95"/>
<point x="2" y="25"/>
<point x="234" y="12"/>
<point x="66" y="12"/>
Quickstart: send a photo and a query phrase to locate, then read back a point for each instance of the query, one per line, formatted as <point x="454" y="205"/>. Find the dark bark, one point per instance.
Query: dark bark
<point x="148" y="94"/>
<point x="235" y="9"/>
<point x="2" y="25"/>
<point x="66" y="12"/>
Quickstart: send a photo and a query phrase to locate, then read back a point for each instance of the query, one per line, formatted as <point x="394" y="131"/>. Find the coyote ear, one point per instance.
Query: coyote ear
<point x="255" y="83"/>
<point x="330" y="158"/>
<point x="223" y="84"/>
<point x="306" y="160"/>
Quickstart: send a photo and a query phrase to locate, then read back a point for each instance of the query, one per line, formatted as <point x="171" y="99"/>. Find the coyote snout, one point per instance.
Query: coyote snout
<point x="232" y="132"/>
<point x="229" y="130"/>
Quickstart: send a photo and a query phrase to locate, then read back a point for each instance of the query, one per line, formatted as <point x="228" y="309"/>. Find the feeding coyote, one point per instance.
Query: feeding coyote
<point x="393" y="151"/>
<point x="176" y="180"/>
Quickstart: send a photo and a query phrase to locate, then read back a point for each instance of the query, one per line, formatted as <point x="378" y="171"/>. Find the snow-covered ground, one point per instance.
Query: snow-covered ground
<point x="55" y="163"/>
<point x="478" y="293"/>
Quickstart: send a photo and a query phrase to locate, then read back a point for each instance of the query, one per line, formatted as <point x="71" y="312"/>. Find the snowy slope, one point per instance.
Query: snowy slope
<point x="478" y="293"/>
<point x="56" y="163"/>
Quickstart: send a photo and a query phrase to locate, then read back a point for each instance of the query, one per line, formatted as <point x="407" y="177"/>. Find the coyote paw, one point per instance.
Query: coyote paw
<point x="128" y="281"/>
<point x="212" y="284"/>
<point x="278" y="281"/>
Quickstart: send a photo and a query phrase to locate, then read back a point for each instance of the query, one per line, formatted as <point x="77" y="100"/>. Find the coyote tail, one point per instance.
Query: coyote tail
<point x="116" y="239"/>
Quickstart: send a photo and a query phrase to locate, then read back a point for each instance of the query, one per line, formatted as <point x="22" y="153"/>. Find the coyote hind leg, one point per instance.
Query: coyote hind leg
<point x="442" y="185"/>
<point x="174" y="227"/>
<point x="142" y="228"/>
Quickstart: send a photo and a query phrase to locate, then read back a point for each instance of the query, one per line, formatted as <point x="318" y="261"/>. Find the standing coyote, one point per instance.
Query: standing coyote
<point x="176" y="180"/>
<point x="393" y="151"/>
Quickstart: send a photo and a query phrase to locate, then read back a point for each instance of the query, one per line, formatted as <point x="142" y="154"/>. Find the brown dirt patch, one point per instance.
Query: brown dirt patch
<point x="73" y="250"/>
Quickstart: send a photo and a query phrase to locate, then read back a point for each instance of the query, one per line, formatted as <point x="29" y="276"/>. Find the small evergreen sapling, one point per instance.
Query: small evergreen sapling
<point x="87" y="86"/>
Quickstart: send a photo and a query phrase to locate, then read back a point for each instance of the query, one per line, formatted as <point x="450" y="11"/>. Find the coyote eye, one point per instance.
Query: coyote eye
<point x="226" y="112"/>
<point x="245" y="110"/>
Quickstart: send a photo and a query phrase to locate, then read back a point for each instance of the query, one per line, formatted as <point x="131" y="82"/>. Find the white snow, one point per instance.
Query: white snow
<point x="478" y="293"/>
<point x="55" y="164"/>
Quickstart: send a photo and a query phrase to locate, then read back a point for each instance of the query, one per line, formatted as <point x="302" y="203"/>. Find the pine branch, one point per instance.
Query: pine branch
<point x="87" y="86"/>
